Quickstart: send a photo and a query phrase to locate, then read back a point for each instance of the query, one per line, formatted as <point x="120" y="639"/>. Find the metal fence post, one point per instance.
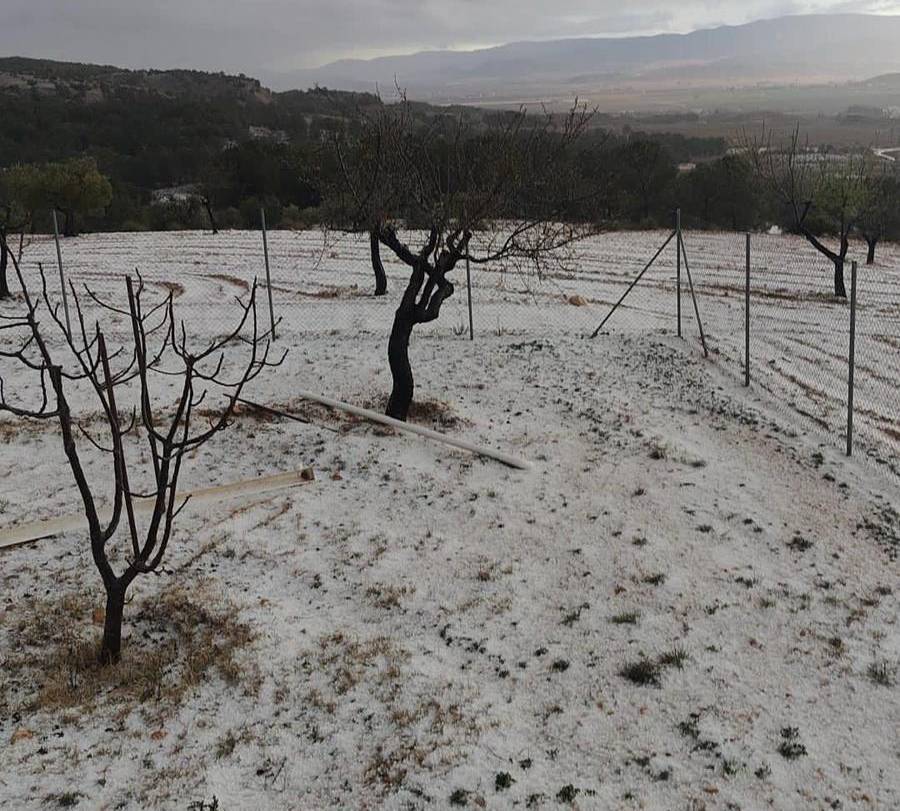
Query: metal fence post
<point x="747" y="319"/>
<point x="62" y="278"/>
<point x="469" y="292"/>
<point x="678" y="268"/>
<point x="852" y="359"/>
<point x="262" y="217"/>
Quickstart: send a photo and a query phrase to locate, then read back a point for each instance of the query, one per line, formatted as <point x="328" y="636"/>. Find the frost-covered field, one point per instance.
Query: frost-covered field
<point x="800" y="333"/>
<point x="690" y="602"/>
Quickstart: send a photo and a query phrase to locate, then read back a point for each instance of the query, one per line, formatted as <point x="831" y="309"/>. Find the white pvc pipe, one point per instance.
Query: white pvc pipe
<point x="25" y="533"/>
<point x="409" y="428"/>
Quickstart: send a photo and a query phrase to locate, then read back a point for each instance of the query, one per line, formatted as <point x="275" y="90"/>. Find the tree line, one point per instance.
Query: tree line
<point x="124" y="150"/>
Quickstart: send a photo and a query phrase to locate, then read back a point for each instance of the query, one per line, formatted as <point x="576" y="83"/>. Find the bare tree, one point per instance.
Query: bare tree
<point x="880" y="211"/>
<point x="821" y="194"/>
<point x="498" y="193"/>
<point x="170" y="436"/>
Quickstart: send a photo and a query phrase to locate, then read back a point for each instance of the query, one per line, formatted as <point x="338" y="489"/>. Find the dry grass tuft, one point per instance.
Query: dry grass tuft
<point x="232" y="280"/>
<point x="430" y="413"/>
<point x="334" y="292"/>
<point x="414" y="724"/>
<point x="172" y="643"/>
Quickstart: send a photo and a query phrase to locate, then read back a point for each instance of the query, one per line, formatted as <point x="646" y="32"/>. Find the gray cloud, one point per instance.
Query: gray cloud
<point x="260" y="35"/>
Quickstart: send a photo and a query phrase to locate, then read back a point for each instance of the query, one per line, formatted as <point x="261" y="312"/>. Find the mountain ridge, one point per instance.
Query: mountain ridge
<point x="848" y="47"/>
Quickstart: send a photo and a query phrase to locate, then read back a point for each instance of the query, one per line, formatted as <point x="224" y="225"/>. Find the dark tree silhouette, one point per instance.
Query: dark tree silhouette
<point x="493" y="194"/>
<point x="822" y="194"/>
<point x="4" y="263"/>
<point x="12" y="220"/>
<point x="377" y="265"/>
<point x="170" y="435"/>
<point x="880" y="212"/>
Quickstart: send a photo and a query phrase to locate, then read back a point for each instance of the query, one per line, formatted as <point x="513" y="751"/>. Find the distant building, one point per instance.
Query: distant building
<point x="266" y="134"/>
<point x="174" y="194"/>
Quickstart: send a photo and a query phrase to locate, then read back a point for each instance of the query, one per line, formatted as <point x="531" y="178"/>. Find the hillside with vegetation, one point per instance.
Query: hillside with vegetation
<point x="114" y="149"/>
<point x="171" y="141"/>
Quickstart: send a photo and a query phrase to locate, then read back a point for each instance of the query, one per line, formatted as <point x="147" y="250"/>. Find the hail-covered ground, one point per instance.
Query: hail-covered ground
<point x="690" y="600"/>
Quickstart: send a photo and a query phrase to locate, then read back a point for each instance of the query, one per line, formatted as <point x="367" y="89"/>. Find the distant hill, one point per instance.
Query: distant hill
<point x="809" y="49"/>
<point x="887" y="81"/>
<point x="96" y="83"/>
<point x="155" y="131"/>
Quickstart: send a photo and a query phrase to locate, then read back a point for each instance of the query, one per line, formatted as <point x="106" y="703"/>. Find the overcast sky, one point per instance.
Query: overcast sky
<point x="274" y="35"/>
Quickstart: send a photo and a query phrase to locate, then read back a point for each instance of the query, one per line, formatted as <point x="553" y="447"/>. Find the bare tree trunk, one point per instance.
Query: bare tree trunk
<point x="69" y="225"/>
<point x="209" y="213"/>
<point x="111" y="647"/>
<point x="839" y="288"/>
<point x="377" y="266"/>
<point x="872" y="242"/>
<point x="401" y="370"/>
<point x="837" y="259"/>
<point x="4" y="260"/>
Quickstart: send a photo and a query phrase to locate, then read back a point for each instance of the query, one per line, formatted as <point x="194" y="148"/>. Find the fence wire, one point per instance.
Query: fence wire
<point x="323" y="284"/>
<point x="800" y="332"/>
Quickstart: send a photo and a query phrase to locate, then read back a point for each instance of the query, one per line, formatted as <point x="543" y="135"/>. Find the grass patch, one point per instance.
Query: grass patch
<point x="673" y="658"/>
<point x="647" y="672"/>
<point x="657" y="449"/>
<point x="643" y="672"/>
<point x="173" y="642"/>
<point x="800" y="544"/>
<point x="882" y="674"/>
<point x="790" y="747"/>
<point x="503" y="781"/>
<point x="388" y="597"/>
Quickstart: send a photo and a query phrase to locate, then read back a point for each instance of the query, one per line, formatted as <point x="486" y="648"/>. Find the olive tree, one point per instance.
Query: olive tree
<point x="72" y="187"/>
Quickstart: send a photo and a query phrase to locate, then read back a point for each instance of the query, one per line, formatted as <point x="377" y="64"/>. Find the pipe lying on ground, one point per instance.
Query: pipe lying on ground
<point x="374" y="416"/>
<point x="25" y="533"/>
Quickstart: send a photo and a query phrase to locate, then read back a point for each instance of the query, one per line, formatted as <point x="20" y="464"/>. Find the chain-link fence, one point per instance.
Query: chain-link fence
<point x="324" y="283"/>
<point x="799" y="347"/>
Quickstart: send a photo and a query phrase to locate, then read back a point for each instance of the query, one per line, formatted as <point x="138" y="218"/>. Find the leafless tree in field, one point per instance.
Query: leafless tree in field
<point x="880" y="212"/>
<point x="158" y="349"/>
<point x="495" y="194"/>
<point x="823" y="195"/>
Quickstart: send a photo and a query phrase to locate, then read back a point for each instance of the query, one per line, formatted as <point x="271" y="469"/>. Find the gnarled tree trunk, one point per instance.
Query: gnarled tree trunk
<point x="426" y="291"/>
<point x="401" y="370"/>
<point x="839" y="287"/>
<point x="111" y="647"/>
<point x="377" y="266"/>
<point x="871" y="243"/>
<point x="837" y="259"/>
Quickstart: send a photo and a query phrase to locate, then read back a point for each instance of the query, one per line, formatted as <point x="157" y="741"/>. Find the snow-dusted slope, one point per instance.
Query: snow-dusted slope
<point x="433" y="629"/>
